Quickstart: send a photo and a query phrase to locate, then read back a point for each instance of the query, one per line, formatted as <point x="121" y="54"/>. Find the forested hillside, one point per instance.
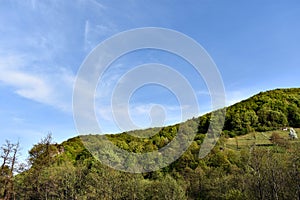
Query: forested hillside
<point x="253" y="159"/>
<point x="264" y="111"/>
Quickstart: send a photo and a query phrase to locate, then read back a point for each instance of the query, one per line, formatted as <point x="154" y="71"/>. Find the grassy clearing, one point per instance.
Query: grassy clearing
<point x="257" y="138"/>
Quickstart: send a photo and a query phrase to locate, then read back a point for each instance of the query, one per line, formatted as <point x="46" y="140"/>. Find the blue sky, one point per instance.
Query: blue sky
<point x="255" y="45"/>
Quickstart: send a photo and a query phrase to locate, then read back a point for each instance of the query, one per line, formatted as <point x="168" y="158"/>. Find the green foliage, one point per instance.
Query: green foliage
<point x="69" y="171"/>
<point x="265" y="111"/>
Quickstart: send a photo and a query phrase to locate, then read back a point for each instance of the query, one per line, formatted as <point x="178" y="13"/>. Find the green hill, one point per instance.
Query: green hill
<point x="253" y="159"/>
<point x="265" y="111"/>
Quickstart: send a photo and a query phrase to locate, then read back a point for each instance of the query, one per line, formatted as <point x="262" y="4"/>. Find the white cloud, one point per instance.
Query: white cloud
<point x="33" y="4"/>
<point x="18" y="120"/>
<point x="92" y="3"/>
<point x="86" y="35"/>
<point x="25" y="84"/>
<point x="95" y="33"/>
<point x="98" y="5"/>
<point x="52" y="89"/>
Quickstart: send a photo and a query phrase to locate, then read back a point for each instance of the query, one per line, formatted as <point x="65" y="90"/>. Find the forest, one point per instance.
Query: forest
<point x="253" y="159"/>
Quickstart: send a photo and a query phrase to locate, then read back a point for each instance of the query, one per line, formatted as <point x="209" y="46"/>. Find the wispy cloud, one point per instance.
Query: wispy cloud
<point x="86" y="35"/>
<point x="51" y="89"/>
<point x="95" y="33"/>
<point x="33" y="4"/>
<point x="92" y="3"/>
<point x="141" y="115"/>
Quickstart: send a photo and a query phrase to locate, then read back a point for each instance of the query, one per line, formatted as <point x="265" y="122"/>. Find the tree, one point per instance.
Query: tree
<point x="9" y="153"/>
<point x="41" y="156"/>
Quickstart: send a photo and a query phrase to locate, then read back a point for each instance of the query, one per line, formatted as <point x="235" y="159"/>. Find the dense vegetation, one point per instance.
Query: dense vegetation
<point x="235" y="169"/>
<point x="265" y="111"/>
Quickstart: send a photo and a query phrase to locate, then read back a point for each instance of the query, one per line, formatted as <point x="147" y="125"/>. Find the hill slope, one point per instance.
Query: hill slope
<point x="230" y="171"/>
<point x="265" y="111"/>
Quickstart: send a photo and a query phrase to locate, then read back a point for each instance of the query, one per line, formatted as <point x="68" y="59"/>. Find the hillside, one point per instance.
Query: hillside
<point x="245" y="163"/>
<point x="265" y="111"/>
